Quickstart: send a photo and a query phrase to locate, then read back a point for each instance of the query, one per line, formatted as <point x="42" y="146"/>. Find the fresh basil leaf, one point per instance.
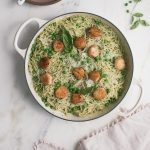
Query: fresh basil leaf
<point x="67" y="40"/>
<point x="144" y="23"/>
<point x="138" y="14"/>
<point x="135" y="25"/>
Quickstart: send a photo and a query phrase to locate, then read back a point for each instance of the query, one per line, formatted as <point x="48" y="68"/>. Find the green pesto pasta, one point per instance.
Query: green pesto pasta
<point x="63" y="62"/>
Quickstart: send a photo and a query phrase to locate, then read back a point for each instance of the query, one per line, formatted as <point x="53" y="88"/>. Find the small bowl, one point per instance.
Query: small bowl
<point x="42" y="2"/>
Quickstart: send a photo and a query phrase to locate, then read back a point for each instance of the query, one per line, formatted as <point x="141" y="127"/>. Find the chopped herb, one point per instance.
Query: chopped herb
<point x="88" y="60"/>
<point x="57" y="84"/>
<point x="49" y="51"/>
<point x="83" y="62"/>
<point x="87" y="90"/>
<point x="44" y="99"/>
<point x="97" y="58"/>
<point x="35" y="78"/>
<point x="130" y="1"/>
<point x="97" y="22"/>
<point x="104" y="75"/>
<point x="47" y="104"/>
<point x="126" y="4"/>
<point x="127" y="11"/>
<point x="53" y="35"/>
<point x="64" y="72"/>
<point x="33" y="47"/>
<point x="77" y="25"/>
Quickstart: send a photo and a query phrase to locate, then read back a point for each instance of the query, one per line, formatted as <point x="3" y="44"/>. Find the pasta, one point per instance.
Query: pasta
<point x="62" y="64"/>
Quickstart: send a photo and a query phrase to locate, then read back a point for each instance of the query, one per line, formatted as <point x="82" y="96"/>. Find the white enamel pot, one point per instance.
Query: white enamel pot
<point x="25" y="53"/>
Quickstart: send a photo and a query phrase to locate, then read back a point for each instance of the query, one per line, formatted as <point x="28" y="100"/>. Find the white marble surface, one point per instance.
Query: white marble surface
<point x="22" y="120"/>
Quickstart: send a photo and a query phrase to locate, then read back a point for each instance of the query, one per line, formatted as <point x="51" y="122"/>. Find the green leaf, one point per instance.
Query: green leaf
<point x="135" y="25"/>
<point x="49" y="51"/>
<point x="97" y="22"/>
<point x="67" y="40"/>
<point x="138" y="14"/>
<point x="144" y="23"/>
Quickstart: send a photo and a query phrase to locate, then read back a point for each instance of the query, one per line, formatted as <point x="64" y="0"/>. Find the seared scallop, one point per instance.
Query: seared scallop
<point x="94" y="32"/>
<point x="46" y="78"/>
<point x="80" y="42"/>
<point x="99" y="93"/>
<point x="93" y="51"/>
<point x="61" y="92"/>
<point x="119" y="63"/>
<point x="78" y="72"/>
<point x="58" y="46"/>
<point x="44" y="62"/>
<point x="77" y="98"/>
<point x="94" y="76"/>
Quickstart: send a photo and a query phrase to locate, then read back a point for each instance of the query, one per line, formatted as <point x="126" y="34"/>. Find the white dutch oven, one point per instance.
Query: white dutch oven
<point x="25" y="53"/>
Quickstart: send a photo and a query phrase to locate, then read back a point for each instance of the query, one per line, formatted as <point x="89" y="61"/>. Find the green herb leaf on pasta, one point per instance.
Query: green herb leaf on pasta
<point x="67" y="40"/>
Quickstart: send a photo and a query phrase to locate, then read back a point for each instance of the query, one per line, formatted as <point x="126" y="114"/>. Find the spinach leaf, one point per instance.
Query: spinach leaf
<point x="67" y="40"/>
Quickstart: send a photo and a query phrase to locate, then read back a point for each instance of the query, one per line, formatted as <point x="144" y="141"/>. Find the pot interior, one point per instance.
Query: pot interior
<point x="129" y="66"/>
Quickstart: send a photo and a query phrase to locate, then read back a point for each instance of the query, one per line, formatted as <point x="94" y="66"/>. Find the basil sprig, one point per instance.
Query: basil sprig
<point x="67" y="40"/>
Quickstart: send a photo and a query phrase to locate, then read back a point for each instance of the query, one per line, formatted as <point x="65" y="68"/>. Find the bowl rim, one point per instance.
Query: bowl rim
<point x="132" y="67"/>
<point x="43" y="3"/>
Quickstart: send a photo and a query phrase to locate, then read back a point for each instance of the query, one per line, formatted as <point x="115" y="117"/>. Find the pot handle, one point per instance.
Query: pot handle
<point x="126" y="113"/>
<point x="40" y="22"/>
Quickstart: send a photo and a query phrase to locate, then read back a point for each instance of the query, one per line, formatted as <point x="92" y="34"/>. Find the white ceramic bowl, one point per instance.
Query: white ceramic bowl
<point x="128" y="56"/>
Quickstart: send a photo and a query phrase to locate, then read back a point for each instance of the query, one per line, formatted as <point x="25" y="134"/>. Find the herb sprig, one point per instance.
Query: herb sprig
<point x="136" y="17"/>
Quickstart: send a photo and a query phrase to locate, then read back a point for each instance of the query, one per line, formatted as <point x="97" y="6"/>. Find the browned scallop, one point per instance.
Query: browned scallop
<point x="61" y="92"/>
<point x="99" y="93"/>
<point x="94" y="75"/>
<point x="94" y="32"/>
<point x="119" y="63"/>
<point x="58" y="46"/>
<point x="77" y="98"/>
<point x="46" y="78"/>
<point x="80" y="42"/>
<point x="44" y="62"/>
<point x="78" y="72"/>
<point x="93" y="51"/>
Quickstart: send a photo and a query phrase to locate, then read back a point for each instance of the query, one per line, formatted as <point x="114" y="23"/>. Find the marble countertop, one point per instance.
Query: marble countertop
<point x="22" y="120"/>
